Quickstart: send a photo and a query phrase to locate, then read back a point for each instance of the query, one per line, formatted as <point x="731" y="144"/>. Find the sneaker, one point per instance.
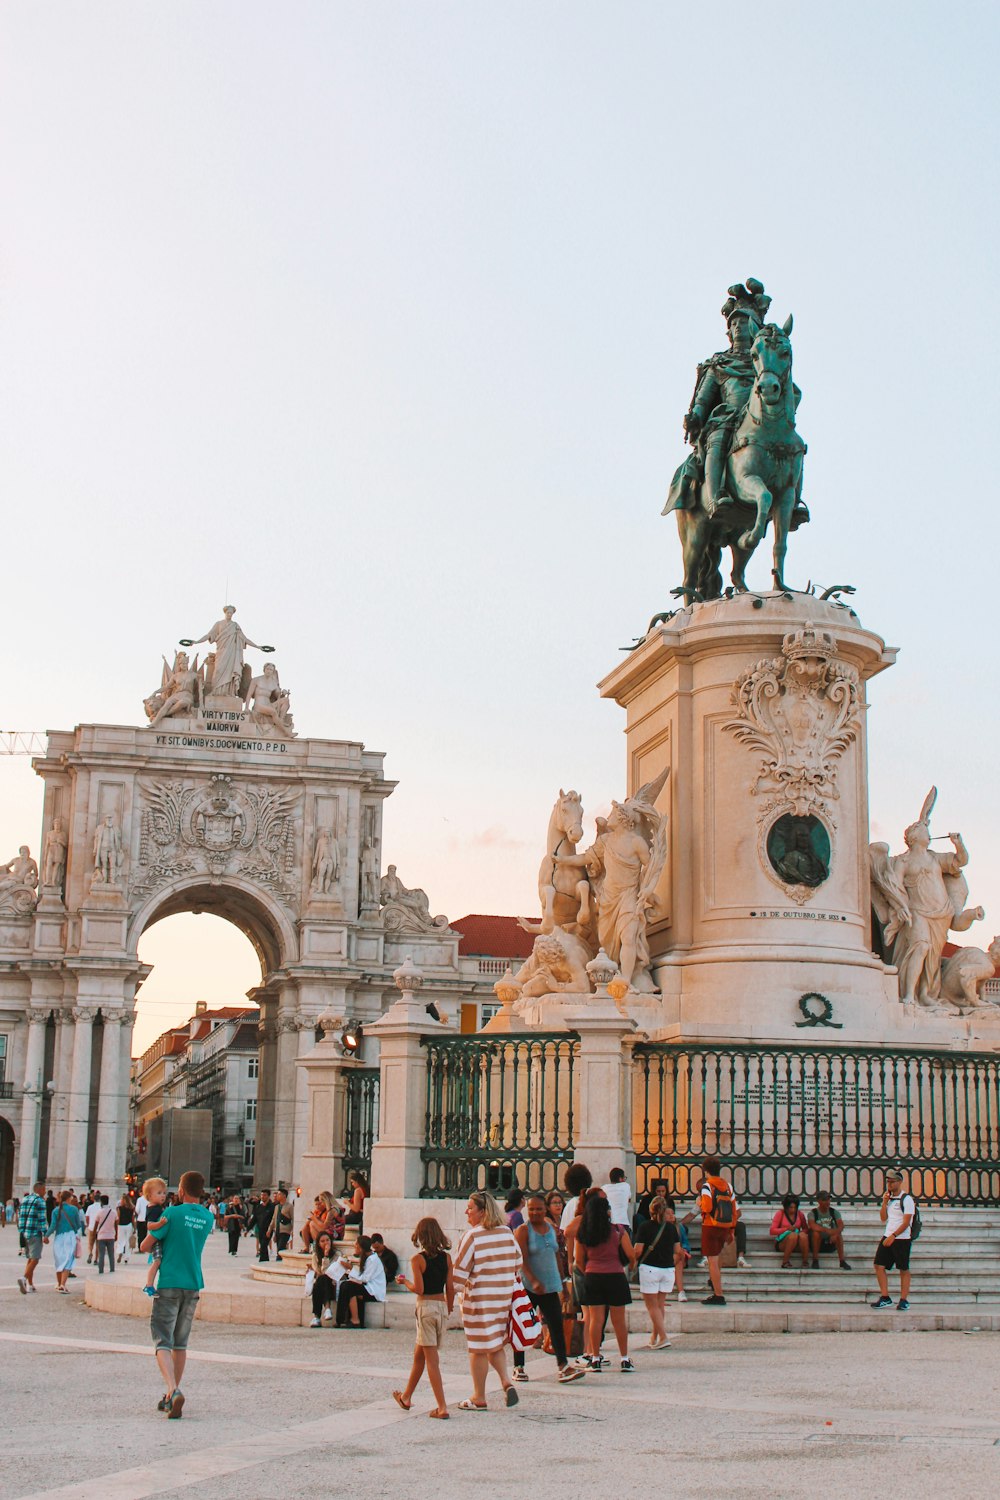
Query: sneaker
<point x="703" y="1263"/>
<point x="903" y="1305"/>
<point x="714" y="1301"/>
<point x="814" y="1264"/>
<point x="22" y="1283"/>
<point x="742" y="1262"/>
<point x="582" y="1362"/>
<point x="682" y="1296"/>
<point x="327" y="1314"/>
<point x="882" y="1302"/>
<point x="628" y="1368"/>
<point x="520" y="1373"/>
<point x="845" y="1265"/>
<point x="314" y="1322"/>
<point x="598" y="1362"/>
<point x="32" y="1287"/>
<point x="176" y="1407"/>
<point x="570" y="1372"/>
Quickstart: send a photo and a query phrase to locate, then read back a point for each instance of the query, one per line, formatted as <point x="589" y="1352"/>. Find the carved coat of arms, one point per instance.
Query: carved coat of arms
<point x="218" y="827"/>
<point x="800" y="711"/>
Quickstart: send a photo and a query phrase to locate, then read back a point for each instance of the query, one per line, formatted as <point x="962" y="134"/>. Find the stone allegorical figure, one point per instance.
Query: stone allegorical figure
<point x="369" y="874"/>
<point x="918" y="896"/>
<point x="624" y="864"/>
<point x="54" y="855"/>
<point x="19" y="873"/>
<point x="557" y="964"/>
<point x="230" y="643"/>
<point x="270" y="703"/>
<point x="108" y="851"/>
<point x="326" y="862"/>
<point x="404" y="909"/>
<point x="178" y="694"/>
<point x="965" y="972"/>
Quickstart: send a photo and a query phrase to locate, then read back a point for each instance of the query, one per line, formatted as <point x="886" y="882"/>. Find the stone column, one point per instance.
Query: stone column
<point x="31" y="1104"/>
<point x="125" y="1074"/>
<point x="306" y="1041"/>
<point x="604" y="1074"/>
<point x="61" y="1102"/>
<point x="112" y="1103"/>
<point x="78" y="1102"/>
<point x="286" y="1078"/>
<point x="396" y="1166"/>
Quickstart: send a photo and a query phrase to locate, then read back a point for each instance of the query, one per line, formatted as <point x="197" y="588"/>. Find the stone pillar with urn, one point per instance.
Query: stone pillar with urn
<point x="396" y="1164"/>
<point x="604" y="1071"/>
<point x="324" y="1071"/>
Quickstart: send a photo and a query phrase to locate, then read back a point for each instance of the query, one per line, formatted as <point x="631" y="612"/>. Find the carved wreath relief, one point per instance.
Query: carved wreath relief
<point x="800" y="710"/>
<point x="216" y="827"/>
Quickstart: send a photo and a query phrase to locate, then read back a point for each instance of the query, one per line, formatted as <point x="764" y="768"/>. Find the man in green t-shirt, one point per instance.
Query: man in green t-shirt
<point x="826" y="1230"/>
<point x="182" y="1234"/>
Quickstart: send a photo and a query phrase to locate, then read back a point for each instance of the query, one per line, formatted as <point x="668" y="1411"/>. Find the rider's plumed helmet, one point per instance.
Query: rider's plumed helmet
<point x="749" y="299"/>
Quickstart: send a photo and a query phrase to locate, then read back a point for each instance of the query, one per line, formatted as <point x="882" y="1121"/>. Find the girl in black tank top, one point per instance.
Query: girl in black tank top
<point x="431" y="1271"/>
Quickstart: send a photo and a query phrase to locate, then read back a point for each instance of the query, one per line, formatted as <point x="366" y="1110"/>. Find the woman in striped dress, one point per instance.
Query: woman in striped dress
<point x="486" y="1265"/>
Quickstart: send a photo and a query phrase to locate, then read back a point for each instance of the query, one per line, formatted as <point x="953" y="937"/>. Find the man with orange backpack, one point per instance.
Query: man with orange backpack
<point x="717" y="1205"/>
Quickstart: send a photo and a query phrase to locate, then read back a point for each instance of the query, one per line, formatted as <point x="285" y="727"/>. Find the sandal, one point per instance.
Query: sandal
<point x="470" y="1405"/>
<point x="510" y="1395"/>
<point x="397" y="1396"/>
<point x="444" y="1415"/>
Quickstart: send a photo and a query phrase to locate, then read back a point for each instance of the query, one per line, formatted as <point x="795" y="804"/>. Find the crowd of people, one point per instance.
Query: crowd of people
<point x="563" y="1262"/>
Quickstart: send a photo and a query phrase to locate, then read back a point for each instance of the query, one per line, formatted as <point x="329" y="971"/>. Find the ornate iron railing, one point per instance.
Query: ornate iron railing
<point x="6" y="1090"/>
<point x="791" y="1119"/>
<point x="361" y="1122"/>
<point x="500" y="1111"/>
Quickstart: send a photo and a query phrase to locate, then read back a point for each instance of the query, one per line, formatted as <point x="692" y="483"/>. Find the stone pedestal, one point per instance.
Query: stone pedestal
<point x="757" y="705"/>
<point x="325" y="1069"/>
<point x="396" y="1166"/>
<point x="604" y="1084"/>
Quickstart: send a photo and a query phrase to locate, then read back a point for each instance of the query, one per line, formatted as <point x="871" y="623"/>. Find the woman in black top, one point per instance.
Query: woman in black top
<point x="432" y="1281"/>
<point x="654" y="1245"/>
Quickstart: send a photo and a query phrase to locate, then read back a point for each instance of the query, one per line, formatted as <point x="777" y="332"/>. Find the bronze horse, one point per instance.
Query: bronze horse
<point x="763" y="479"/>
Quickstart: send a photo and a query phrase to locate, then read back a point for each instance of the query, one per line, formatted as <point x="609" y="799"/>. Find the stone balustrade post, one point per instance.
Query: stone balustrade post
<point x="604" y="1074"/>
<point x="396" y="1166"/>
<point x="324" y="1070"/>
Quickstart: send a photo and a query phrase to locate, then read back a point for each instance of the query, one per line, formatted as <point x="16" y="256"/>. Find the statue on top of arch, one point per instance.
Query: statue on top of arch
<point x="187" y="689"/>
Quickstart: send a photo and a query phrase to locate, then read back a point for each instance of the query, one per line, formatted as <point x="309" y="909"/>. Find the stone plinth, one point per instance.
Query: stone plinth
<point x="757" y="705"/>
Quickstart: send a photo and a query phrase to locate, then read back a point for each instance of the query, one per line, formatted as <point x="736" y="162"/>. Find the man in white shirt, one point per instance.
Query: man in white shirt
<point x="619" y="1196"/>
<point x="90" y="1218"/>
<point x="896" y="1212"/>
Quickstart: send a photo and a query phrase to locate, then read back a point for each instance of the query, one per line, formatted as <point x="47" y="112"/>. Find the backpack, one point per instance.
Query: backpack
<point x="723" y="1211"/>
<point x="916" y="1223"/>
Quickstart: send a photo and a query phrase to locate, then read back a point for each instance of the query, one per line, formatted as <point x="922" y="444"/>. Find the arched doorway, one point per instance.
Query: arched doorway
<point x="216" y="1064"/>
<point x="6" y="1160"/>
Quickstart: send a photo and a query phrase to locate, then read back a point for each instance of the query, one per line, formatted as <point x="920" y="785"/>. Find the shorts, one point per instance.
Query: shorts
<point x="714" y="1240"/>
<point x="432" y="1321"/>
<point x="606" y="1289"/>
<point x="33" y="1247"/>
<point x="172" y="1315"/>
<point x="653" y="1279"/>
<point x="895" y="1255"/>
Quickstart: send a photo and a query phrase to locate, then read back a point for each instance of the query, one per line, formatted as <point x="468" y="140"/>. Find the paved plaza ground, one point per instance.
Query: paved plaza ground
<point x="276" y="1411"/>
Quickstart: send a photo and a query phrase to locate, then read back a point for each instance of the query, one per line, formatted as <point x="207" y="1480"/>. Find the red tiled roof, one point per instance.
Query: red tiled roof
<point x="492" y="937"/>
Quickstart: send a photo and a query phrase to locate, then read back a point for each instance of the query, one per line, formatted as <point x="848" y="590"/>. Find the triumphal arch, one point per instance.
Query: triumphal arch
<point x="214" y="804"/>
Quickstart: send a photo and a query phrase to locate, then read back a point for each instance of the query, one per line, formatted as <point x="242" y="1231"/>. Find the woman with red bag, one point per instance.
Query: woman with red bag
<point x="538" y="1241"/>
<point x="486" y="1267"/>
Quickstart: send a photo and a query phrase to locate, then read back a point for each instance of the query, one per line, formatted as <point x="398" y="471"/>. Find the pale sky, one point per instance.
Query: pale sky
<point x="382" y="320"/>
